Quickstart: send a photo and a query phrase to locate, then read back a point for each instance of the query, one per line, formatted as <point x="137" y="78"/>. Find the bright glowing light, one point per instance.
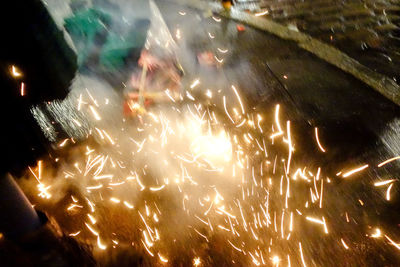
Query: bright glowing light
<point x="213" y="147"/>
<point x="22" y="89"/>
<point x="347" y="174"/>
<point x="275" y="260"/>
<point x="261" y="13"/>
<point x="318" y="142"/>
<point x="100" y="245"/>
<point x="377" y="233"/>
<point x="396" y="245"/>
<point x="388" y="161"/>
<point x="344" y="244"/>
<point x="195" y="83"/>
<point x="196" y="261"/>
<point x="15" y="72"/>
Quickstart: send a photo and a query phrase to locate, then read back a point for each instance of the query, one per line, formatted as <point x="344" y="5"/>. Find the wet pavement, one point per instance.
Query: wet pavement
<point x="366" y="30"/>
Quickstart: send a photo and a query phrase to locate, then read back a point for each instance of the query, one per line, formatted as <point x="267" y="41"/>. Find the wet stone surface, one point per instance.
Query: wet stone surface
<point x="368" y="30"/>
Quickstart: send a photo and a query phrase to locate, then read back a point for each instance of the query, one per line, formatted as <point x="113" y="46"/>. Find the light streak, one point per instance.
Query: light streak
<point x="290" y="146"/>
<point x="301" y="255"/>
<point x="344" y="244"/>
<point x="392" y="242"/>
<point x="347" y="174"/>
<point x="15" y="72"/>
<point x="91" y="205"/>
<point x="130" y="206"/>
<point x="291" y="222"/>
<point x="216" y="19"/>
<point x="92" y="230"/>
<point x="189" y="96"/>
<point x="105" y="176"/>
<point x="63" y="142"/>
<point x="157" y="188"/>
<point x="223" y="51"/>
<point x="75" y="234"/>
<point x="74" y="199"/>
<point x="94" y="187"/>
<point x="109" y="137"/>
<point x="72" y="206"/>
<point x="195" y="83"/>
<point x="115" y="200"/>
<point x="77" y="123"/>
<point x="100" y="133"/>
<point x="226" y="111"/>
<point x="100" y="245"/>
<point x="318" y="142"/>
<point x="261" y="13"/>
<point x="163" y="259"/>
<point x="116" y="184"/>
<point x="226" y="213"/>
<point x="22" y="89"/>
<point x="235" y="247"/>
<point x="137" y="179"/>
<point x="381" y="183"/>
<point x="147" y="249"/>
<point x="80" y="102"/>
<point x="92" y="219"/>
<point x="238" y="97"/>
<point x="325" y="227"/>
<point x="218" y="60"/>
<point x="167" y="92"/>
<point x="377" y="233"/>
<point x="388" y="161"/>
<point x="277" y="123"/>
<point x="91" y="97"/>
<point x="318" y="221"/>
<point x="94" y="112"/>
<point x="200" y="234"/>
<point x="322" y="191"/>
<point x="388" y="192"/>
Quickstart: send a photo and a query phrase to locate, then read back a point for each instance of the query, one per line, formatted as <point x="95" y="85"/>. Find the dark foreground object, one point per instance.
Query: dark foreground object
<point x="35" y="56"/>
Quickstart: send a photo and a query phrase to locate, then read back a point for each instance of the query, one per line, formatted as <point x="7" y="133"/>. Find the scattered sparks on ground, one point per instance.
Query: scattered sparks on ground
<point x="225" y="172"/>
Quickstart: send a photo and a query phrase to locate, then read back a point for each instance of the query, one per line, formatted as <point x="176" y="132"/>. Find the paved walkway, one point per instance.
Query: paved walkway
<point x="366" y="30"/>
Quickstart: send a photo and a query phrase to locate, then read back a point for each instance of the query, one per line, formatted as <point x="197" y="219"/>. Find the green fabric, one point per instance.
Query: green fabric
<point x="86" y="24"/>
<point x="83" y="27"/>
<point x="117" y="49"/>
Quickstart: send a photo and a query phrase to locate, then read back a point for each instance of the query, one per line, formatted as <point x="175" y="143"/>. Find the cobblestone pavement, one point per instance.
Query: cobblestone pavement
<point x="367" y="30"/>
